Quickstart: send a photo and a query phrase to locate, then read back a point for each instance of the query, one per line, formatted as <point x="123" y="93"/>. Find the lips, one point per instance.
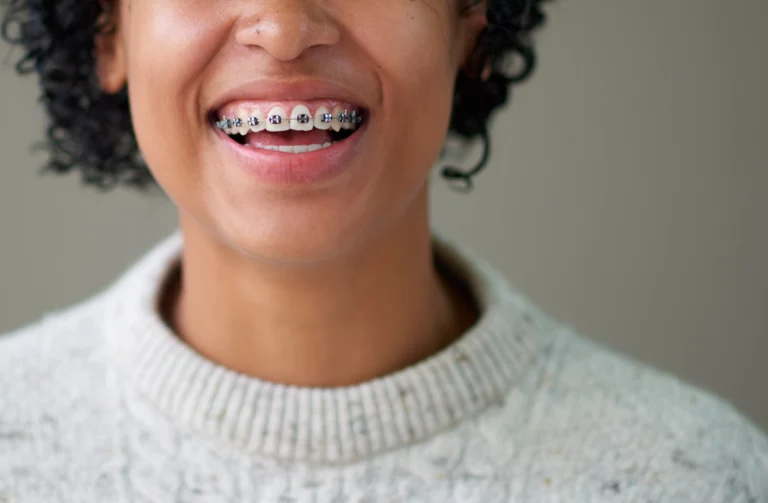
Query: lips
<point x="288" y="93"/>
<point x="296" y="168"/>
<point x="303" y="130"/>
<point x="266" y="124"/>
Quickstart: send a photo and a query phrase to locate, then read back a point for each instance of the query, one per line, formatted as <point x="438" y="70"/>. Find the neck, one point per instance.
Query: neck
<point x="376" y="309"/>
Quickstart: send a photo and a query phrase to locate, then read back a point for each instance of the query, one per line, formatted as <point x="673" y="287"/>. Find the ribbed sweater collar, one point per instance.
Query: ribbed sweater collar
<point x="323" y="425"/>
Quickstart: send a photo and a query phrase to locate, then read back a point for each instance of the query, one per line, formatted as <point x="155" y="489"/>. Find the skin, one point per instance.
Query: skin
<point x="316" y="285"/>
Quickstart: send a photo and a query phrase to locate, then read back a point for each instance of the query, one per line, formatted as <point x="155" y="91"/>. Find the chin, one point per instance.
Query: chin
<point x="290" y="241"/>
<point x="294" y="228"/>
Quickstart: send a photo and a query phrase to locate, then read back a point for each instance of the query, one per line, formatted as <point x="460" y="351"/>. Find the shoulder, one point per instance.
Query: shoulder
<point x="64" y="330"/>
<point x="648" y="429"/>
<point x="43" y="362"/>
<point x="56" y="404"/>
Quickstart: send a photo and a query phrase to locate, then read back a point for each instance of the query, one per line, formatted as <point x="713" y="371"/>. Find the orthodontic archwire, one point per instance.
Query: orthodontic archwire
<point x="236" y="122"/>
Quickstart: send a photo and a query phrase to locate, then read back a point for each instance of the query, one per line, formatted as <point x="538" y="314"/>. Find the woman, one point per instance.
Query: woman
<point x="305" y="337"/>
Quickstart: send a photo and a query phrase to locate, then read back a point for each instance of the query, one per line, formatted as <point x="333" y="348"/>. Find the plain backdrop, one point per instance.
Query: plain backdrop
<point x="627" y="194"/>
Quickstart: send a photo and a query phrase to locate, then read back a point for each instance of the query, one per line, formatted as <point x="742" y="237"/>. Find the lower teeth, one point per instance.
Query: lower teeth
<point x="297" y="149"/>
<point x="336" y="137"/>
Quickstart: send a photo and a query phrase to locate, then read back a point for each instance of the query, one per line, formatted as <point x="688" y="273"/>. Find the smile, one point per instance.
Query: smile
<point x="298" y="143"/>
<point x="307" y="128"/>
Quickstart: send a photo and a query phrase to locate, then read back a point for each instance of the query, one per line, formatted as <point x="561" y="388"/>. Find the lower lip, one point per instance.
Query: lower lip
<point x="286" y="169"/>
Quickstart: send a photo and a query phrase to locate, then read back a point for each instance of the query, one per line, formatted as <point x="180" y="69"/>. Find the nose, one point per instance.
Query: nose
<point x="286" y="28"/>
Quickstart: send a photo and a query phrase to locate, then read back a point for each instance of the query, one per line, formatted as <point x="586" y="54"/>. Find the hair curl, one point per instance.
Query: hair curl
<point x="57" y="39"/>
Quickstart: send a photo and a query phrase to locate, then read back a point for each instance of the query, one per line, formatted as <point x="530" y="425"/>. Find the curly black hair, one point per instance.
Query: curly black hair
<point x="57" y="38"/>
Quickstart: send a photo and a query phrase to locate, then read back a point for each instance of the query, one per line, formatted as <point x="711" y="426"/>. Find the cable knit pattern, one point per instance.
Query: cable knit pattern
<point x="102" y="403"/>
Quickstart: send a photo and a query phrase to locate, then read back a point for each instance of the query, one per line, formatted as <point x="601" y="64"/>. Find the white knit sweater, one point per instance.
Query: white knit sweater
<point x="102" y="403"/>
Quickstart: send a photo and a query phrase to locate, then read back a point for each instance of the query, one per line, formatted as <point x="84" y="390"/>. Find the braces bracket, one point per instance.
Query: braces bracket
<point x="236" y="122"/>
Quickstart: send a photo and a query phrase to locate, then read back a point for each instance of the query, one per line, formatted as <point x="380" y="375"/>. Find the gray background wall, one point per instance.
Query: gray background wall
<point x="627" y="192"/>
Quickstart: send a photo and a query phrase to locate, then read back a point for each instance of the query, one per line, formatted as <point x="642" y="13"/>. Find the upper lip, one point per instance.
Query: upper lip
<point x="284" y="90"/>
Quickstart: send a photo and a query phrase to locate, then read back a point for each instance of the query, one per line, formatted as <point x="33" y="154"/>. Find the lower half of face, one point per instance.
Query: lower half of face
<point x="291" y="129"/>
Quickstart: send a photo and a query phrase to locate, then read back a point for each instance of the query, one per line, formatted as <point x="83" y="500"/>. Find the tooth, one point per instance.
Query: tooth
<point x="347" y="124"/>
<point x="286" y="148"/>
<point x="233" y="128"/>
<point x="327" y="144"/>
<point x="299" y="149"/>
<point x="353" y="120"/>
<point x="242" y="116"/>
<point x="319" y="124"/>
<point x="258" y="124"/>
<point x="271" y="147"/>
<point x="275" y="115"/>
<point x="303" y="112"/>
<point x="314" y="147"/>
<point x="336" y="124"/>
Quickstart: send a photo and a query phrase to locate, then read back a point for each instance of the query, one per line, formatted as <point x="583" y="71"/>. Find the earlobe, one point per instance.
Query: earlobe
<point x="475" y="20"/>
<point x="109" y="51"/>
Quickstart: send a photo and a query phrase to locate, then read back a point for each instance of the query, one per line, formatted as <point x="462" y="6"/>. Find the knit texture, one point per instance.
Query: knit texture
<point x="103" y="403"/>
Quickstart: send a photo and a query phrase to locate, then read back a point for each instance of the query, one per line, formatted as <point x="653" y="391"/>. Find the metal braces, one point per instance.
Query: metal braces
<point x="236" y="122"/>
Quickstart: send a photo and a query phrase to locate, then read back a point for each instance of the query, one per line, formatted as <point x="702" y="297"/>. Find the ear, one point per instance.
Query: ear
<point x="109" y="49"/>
<point x="474" y="20"/>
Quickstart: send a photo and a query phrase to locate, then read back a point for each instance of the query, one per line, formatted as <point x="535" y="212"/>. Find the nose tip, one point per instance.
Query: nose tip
<point x="287" y="28"/>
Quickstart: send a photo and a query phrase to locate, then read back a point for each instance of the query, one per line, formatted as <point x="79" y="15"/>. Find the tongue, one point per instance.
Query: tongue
<point x="268" y="139"/>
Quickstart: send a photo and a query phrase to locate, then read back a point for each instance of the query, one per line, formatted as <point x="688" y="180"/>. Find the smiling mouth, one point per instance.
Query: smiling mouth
<point x="300" y="131"/>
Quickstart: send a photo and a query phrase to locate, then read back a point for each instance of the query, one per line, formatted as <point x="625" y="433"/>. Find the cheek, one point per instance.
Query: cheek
<point x="415" y="48"/>
<point x="172" y="42"/>
<point x="415" y="34"/>
<point x="170" y="46"/>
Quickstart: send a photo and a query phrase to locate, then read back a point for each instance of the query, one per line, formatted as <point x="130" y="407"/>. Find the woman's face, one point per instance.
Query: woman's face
<point x="190" y="63"/>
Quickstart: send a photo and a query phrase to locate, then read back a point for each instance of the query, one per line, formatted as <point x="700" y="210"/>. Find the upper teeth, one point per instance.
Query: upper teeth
<point x="300" y="119"/>
<point x="277" y="119"/>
